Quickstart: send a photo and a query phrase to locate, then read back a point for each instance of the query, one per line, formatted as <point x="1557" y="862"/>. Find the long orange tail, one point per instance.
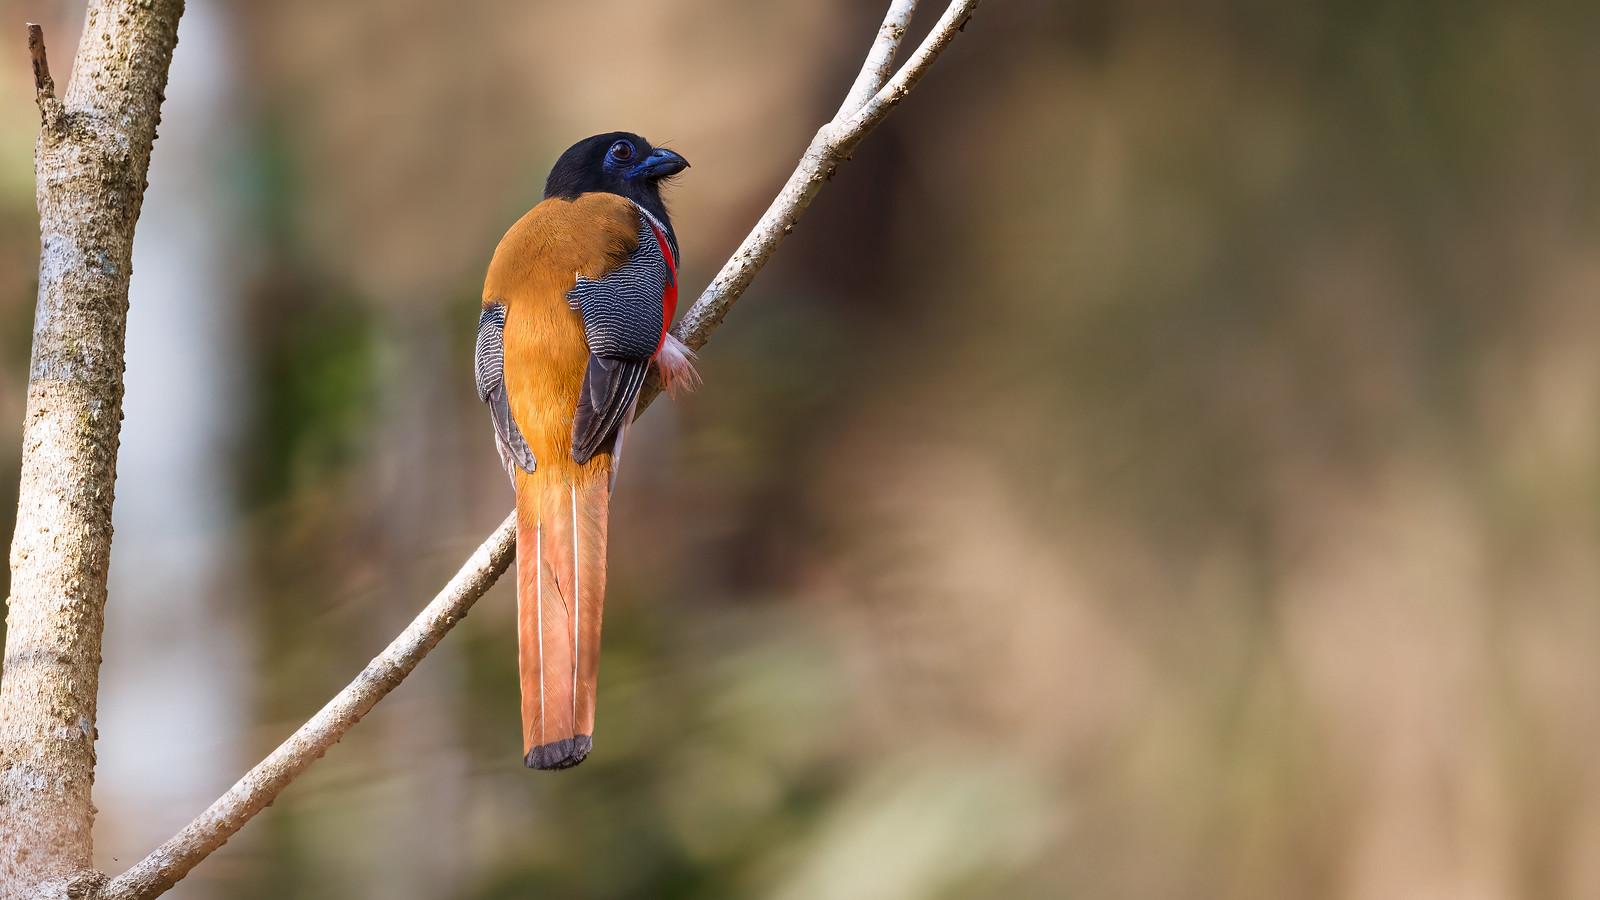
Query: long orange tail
<point x="561" y="588"/>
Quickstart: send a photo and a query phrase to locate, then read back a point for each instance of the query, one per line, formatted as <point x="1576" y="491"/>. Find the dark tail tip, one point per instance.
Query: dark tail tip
<point x="563" y="754"/>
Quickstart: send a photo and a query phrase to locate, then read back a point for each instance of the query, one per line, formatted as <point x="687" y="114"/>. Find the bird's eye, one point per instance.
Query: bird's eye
<point x="622" y="151"/>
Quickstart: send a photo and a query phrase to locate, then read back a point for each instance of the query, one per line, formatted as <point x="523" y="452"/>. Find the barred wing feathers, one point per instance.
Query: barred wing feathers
<point x="624" y="321"/>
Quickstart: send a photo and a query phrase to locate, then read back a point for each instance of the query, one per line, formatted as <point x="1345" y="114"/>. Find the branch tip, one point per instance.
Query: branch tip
<point x="879" y="64"/>
<point x="42" y="82"/>
<point x="894" y="89"/>
<point x="44" y="87"/>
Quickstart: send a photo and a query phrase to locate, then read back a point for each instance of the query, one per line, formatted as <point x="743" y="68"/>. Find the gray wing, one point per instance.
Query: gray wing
<point x="623" y="319"/>
<point x="489" y="366"/>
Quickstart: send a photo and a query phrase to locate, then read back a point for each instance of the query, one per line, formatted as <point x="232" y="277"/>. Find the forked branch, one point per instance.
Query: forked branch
<point x="251" y="794"/>
<point x="869" y="99"/>
<point x="879" y="64"/>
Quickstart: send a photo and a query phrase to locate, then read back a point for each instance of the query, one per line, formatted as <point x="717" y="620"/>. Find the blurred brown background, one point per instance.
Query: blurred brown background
<point x="1164" y="464"/>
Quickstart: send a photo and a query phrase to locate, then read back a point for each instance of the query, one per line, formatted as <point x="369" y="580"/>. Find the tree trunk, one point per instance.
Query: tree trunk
<point x="90" y="164"/>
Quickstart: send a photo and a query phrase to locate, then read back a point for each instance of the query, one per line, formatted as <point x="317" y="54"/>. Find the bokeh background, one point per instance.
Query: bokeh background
<point x="1165" y="463"/>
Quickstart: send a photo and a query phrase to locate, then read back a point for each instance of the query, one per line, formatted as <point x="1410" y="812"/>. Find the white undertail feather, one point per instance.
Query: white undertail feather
<point x="538" y="575"/>
<point x="676" y="362"/>
<point x="577" y="602"/>
<point x="616" y="445"/>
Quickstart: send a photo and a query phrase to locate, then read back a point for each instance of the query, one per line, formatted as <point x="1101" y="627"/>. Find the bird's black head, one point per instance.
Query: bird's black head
<point x="618" y="162"/>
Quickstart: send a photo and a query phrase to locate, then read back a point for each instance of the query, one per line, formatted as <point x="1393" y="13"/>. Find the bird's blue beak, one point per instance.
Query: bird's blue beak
<point x="659" y="164"/>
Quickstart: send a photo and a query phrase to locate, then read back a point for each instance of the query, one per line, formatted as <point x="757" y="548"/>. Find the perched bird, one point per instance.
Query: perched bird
<point x="575" y="309"/>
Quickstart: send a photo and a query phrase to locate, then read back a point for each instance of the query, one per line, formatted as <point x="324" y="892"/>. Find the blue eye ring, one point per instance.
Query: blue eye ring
<point x="621" y="151"/>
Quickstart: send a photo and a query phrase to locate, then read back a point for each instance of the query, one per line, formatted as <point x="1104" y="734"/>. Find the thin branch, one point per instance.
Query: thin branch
<point x="44" y="87"/>
<point x="172" y="860"/>
<point x="257" y="789"/>
<point x="880" y="59"/>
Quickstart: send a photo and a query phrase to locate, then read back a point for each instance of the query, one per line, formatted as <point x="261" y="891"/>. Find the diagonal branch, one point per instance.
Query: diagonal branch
<point x="256" y="790"/>
<point x="171" y="861"/>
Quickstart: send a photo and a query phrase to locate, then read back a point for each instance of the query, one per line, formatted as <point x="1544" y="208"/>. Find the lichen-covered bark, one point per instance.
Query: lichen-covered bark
<point x="90" y="164"/>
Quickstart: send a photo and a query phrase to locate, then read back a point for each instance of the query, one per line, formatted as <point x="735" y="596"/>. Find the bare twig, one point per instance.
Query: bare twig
<point x="44" y="87"/>
<point x="879" y="94"/>
<point x="90" y="182"/>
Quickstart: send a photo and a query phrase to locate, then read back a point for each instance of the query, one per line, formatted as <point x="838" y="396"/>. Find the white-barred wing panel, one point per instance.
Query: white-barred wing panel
<point x="489" y="367"/>
<point x="623" y="320"/>
<point x="622" y="311"/>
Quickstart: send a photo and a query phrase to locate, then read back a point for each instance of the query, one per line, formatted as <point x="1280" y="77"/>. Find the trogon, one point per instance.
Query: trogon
<point x="576" y="307"/>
